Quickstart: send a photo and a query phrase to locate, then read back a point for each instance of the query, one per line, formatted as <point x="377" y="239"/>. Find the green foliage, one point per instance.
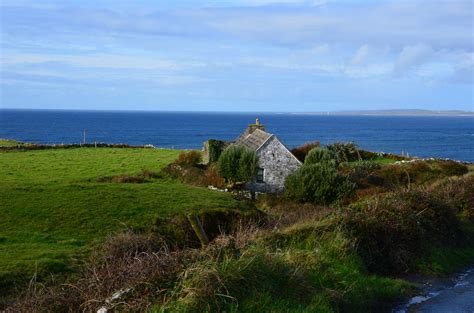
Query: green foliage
<point x="311" y="271"/>
<point x="318" y="183"/>
<point x="344" y="152"/>
<point x="319" y="155"/>
<point x="238" y="164"/>
<point x="393" y="230"/>
<point x="301" y="151"/>
<point x="215" y="148"/>
<point x="189" y="158"/>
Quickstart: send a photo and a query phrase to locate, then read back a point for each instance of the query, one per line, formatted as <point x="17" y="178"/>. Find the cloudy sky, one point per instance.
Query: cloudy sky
<point x="237" y="55"/>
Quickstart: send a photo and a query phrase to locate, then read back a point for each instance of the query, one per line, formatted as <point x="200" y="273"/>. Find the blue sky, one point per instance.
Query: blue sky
<point x="237" y="55"/>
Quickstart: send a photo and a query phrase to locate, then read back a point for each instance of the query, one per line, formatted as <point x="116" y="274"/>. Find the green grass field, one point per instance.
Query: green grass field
<point x="53" y="207"/>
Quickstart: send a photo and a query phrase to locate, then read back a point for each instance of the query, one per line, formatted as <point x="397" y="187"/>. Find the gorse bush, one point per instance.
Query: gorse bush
<point x="318" y="183"/>
<point x="189" y="158"/>
<point x="238" y="164"/>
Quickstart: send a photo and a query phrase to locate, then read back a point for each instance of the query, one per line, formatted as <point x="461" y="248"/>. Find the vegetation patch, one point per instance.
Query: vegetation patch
<point x="144" y="176"/>
<point x="54" y="209"/>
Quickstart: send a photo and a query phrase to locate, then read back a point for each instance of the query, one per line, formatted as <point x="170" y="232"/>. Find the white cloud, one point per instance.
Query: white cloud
<point x="361" y="55"/>
<point x="112" y="61"/>
<point x="412" y="56"/>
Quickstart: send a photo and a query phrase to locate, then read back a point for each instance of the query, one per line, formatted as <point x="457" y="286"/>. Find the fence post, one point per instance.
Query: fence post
<point x="198" y="229"/>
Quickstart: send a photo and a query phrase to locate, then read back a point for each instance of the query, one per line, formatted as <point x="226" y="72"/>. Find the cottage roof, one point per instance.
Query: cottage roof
<point x="253" y="139"/>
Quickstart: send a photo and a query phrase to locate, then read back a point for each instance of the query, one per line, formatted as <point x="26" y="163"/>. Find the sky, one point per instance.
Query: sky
<point x="237" y="55"/>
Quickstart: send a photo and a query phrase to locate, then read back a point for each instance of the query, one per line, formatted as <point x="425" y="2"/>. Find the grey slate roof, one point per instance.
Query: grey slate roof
<point x="253" y="140"/>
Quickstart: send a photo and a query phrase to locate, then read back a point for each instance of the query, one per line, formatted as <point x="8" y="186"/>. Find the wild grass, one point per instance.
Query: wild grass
<point x="53" y="206"/>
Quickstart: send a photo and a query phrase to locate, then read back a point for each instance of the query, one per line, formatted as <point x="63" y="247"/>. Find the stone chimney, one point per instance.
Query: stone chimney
<point x="255" y="126"/>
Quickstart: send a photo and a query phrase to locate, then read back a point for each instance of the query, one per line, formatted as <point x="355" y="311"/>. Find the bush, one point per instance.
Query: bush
<point x="344" y="152"/>
<point x="394" y="230"/>
<point x="215" y="148"/>
<point x="212" y="176"/>
<point x="176" y="231"/>
<point x="192" y="175"/>
<point x="451" y="168"/>
<point x="318" y="183"/>
<point x="189" y="158"/>
<point x="319" y="155"/>
<point x="238" y="164"/>
<point x="301" y="151"/>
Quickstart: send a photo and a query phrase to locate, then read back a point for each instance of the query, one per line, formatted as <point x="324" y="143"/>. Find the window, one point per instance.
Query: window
<point x="260" y="175"/>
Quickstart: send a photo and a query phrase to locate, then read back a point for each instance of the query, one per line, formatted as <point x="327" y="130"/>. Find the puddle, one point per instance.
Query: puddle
<point x="453" y="295"/>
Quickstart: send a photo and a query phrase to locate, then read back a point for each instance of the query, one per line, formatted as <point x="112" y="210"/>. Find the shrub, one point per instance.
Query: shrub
<point x="130" y="265"/>
<point x="451" y="168"/>
<point x="187" y="174"/>
<point x="215" y="148"/>
<point x="318" y="183"/>
<point x="301" y="151"/>
<point x="189" y="158"/>
<point x="238" y="164"/>
<point x="318" y="155"/>
<point x="393" y="231"/>
<point x="212" y="176"/>
<point x="176" y="231"/>
<point x="344" y="152"/>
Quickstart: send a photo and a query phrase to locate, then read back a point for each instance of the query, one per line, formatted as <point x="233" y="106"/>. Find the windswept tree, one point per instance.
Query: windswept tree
<point x="318" y="180"/>
<point x="238" y="164"/>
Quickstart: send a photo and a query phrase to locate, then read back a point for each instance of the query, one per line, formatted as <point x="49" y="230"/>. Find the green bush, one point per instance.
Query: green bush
<point x="238" y="164"/>
<point x="318" y="183"/>
<point x="318" y="155"/>
<point x="215" y="148"/>
<point x="302" y="151"/>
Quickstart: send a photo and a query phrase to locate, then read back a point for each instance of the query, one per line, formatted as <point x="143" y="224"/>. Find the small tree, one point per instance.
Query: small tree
<point x="238" y="164"/>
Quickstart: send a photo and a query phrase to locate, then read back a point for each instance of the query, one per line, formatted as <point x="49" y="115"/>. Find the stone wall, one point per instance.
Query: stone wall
<point x="277" y="163"/>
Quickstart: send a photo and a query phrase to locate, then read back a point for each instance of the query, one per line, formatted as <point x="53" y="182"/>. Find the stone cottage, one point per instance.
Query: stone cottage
<point x="276" y="162"/>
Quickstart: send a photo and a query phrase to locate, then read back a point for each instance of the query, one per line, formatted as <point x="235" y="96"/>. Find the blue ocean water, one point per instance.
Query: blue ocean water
<point x="424" y="136"/>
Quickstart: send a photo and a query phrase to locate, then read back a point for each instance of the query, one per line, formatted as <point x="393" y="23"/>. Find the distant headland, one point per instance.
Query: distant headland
<point x="408" y="112"/>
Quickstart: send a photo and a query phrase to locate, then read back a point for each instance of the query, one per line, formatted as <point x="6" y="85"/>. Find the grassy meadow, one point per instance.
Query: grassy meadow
<point x="55" y="204"/>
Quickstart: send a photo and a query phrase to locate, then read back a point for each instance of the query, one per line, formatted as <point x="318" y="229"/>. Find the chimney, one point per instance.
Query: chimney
<point x="255" y="126"/>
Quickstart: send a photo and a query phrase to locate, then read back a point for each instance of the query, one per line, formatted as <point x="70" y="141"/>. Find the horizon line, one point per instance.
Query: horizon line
<point x="338" y="112"/>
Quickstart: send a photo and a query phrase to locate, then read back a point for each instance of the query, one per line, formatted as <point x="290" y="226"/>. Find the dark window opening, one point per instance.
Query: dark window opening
<point x="260" y="175"/>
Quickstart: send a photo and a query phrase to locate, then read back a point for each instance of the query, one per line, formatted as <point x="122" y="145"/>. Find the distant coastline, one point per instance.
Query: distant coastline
<point x="413" y="112"/>
<point x="389" y="112"/>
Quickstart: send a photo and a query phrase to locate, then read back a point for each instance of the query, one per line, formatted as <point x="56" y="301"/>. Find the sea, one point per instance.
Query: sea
<point x="449" y="137"/>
